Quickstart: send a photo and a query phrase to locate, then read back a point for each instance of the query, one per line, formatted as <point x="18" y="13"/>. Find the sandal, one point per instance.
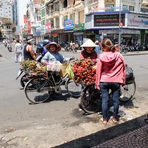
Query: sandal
<point x="103" y="121"/>
<point x="113" y="119"/>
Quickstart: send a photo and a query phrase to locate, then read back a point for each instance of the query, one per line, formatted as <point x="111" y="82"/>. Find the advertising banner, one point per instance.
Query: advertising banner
<point x="77" y="27"/>
<point x="38" y="29"/>
<point x="68" y="24"/>
<point x="47" y="28"/>
<point x="108" y="20"/>
<point x="137" y="20"/>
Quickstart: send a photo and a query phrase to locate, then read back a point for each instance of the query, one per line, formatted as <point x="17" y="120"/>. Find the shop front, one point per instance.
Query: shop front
<point x="78" y="33"/>
<point x="133" y="26"/>
<point x="67" y="36"/>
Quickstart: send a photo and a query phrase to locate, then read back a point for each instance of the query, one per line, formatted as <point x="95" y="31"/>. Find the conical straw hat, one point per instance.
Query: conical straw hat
<point x="89" y="43"/>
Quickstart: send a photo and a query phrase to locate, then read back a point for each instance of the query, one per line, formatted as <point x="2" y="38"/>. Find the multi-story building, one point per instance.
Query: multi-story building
<point x="6" y="17"/>
<point x="63" y="20"/>
<point x="102" y="18"/>
<point x="74" y="20"/>
<point x="34" y="17"/>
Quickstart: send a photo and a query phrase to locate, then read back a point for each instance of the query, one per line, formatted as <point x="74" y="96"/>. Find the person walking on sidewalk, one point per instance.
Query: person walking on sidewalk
<point x="18" y="51"/>
<point x="110" y="74"/>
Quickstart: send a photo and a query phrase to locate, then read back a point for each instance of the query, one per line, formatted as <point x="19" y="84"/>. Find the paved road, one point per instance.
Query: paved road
<point x="17" y="113"/>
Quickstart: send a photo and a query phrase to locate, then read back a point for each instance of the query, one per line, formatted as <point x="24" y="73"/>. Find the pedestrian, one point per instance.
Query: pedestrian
<point x="89" y="50"/>
<point x="97" y="49"/>
<point x="110" y="74"/>
<point x="18" y="51"/>
<point x="28" y="51"/>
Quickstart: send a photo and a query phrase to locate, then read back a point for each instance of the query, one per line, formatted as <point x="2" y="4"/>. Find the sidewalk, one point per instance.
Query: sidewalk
<point x="126" y="54"/>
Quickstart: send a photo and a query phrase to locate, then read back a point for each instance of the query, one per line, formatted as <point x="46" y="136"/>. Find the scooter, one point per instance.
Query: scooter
<point x="9" y="47"/>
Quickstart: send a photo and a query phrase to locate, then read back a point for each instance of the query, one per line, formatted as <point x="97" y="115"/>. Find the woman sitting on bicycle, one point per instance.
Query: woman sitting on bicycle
<point x="89" y="50"/>
<point x="53" y="54"/>
<point x="110" y="74"/>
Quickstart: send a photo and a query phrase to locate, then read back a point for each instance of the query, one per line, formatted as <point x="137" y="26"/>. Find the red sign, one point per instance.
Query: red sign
<point x="55" y="35"/>
<point x="120" y="25"/>
<point x="47" y="28"/>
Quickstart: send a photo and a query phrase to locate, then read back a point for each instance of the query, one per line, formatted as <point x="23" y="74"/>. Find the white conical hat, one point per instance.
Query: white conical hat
<point x="89" y="43"/>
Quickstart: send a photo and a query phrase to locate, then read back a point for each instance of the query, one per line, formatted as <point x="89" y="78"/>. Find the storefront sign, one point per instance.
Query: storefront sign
<point x="68" y="24"/>
<point x="137" y="20"/>
<point x="108" y="20"/>
<point x="55" y="35"/>
<point x="78" y="27"/>
<point x="47" y="28"/>
<point x="38" y="30"/>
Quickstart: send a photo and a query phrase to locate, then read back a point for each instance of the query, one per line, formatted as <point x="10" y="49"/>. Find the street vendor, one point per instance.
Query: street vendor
<point x="53" y="54"/>
<point x="89" y="50"/>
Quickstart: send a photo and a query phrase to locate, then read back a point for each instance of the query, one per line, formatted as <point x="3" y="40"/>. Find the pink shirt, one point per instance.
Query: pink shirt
<point x="110" y="68"/>
<point x="92" y="56"/>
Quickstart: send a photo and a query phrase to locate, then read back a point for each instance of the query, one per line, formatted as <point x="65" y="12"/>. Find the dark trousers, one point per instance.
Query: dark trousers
<point x="115" y="89"/>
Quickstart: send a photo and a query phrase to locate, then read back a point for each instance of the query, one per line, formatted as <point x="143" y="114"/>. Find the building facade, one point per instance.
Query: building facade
<point x="6" y="17"/>
<point x="102" y="19"/>
<point x="34" y="17"/>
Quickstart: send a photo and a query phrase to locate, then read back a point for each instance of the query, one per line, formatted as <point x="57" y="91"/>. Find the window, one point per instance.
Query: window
<point x="65" y="18"/>
<point x="110" y="7"/>
<point x="56" y="7"/>
<point x="65" y="4"/>
<point x="57" y="22"/>
<point x="125" y="7"/>
<point x="131" y="8"/>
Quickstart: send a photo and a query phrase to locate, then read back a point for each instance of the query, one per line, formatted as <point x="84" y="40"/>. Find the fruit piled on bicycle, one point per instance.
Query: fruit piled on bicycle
<point x="32" y="66"/>
<point x="84" y="71"/>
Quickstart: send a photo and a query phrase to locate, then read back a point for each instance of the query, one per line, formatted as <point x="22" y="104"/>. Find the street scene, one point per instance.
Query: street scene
<point x="73" y="74"/>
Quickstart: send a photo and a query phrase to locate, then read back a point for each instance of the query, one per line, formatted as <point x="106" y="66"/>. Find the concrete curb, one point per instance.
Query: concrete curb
<point x="134" y="54"/>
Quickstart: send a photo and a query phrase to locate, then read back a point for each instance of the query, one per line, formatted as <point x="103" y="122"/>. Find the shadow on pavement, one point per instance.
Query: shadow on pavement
<point x="105" y="135"/>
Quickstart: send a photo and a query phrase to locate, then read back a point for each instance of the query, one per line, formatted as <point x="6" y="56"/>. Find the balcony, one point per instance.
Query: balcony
<point x="79" y="4"/>
<point x="144" y="3"/>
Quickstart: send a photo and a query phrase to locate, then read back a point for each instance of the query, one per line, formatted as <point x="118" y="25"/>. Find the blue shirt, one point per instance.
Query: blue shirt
<point x="44" y="51"/>
<point x="97" y="49"/>
<point x="49" y="56"/>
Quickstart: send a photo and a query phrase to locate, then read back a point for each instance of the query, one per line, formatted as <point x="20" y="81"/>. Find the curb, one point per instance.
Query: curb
<point x="134" y="54"/>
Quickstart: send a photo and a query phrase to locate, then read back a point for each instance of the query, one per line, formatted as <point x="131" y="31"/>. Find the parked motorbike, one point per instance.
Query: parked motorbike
<point x="9" y="47"/>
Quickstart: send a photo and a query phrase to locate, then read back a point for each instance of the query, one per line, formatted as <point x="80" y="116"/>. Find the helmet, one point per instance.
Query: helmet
<point x="45" y="42"/>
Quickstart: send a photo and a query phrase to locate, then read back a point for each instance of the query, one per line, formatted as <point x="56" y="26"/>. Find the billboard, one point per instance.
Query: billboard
<point x="47" y="28"/>
<point x="108" y="20"/>
<point x="68" y="24"/>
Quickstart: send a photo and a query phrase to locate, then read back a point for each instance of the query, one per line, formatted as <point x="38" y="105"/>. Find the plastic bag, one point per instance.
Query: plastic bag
<point x="69" y="71"/>
<point x="63" y="69"/>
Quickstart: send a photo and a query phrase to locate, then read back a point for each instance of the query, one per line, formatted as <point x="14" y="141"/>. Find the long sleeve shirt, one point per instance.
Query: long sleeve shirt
<point x="49" y="56"/>
<point x="110" y="68"/>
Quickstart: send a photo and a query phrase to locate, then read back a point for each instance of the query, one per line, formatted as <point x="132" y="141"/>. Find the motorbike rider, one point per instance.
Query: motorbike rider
<point x="45" y="50"/>
<point x="28" y="51"/>
<point x="89" y="50"/>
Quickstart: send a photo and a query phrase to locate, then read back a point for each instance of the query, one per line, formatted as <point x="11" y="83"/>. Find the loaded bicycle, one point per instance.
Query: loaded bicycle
<point x="40" y="87"/>
<point x="91" y="99"/>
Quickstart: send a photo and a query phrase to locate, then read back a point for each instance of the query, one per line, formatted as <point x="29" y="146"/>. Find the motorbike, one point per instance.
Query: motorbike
<point x="24" y="77"/>
<point x="9" y="47"/>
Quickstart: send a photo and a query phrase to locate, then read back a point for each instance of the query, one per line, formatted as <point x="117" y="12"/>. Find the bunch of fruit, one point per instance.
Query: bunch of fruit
<point x="33" y="66"/>
<point x="84" y="71"/>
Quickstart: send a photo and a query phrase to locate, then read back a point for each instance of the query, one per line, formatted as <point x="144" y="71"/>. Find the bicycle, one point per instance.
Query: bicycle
<point x="91" y="99"/>
<point x="39" y="88"/>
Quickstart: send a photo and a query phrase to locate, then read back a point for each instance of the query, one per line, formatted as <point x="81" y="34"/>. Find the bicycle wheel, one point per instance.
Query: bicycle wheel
<point x="128" y="92"/>
<point x="24" y="80"/>
<point x="91" y="100"/>
<point x="37" y="90"/>
<point x="74" y="89"/>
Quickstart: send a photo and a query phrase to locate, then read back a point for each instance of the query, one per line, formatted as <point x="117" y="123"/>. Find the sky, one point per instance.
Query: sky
<point x="22" y="8"/>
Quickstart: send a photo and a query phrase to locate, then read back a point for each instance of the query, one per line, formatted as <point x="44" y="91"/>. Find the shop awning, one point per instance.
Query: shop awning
<point x="51" y="1"/>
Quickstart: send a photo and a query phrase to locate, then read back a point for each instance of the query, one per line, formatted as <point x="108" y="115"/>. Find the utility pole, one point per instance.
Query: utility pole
<point x="119" y="40"/>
